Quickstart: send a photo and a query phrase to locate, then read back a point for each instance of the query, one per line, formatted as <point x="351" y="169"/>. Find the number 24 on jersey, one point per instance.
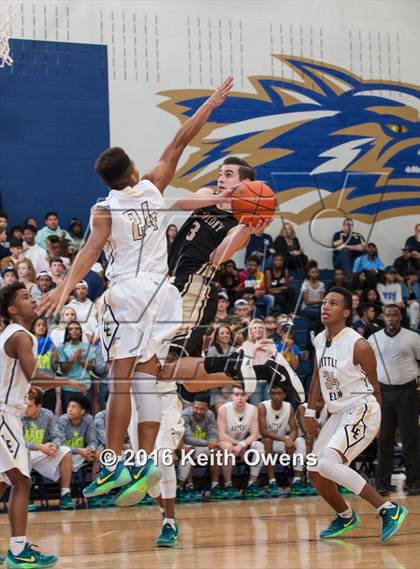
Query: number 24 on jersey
<point x="141" y="220"/>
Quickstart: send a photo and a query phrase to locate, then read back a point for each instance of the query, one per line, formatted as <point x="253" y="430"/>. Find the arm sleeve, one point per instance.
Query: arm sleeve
<point x="61" y="430"/>
<point x="212" y="428"/>
<point x="53" y="433"/>
<point x="91" y="440"/>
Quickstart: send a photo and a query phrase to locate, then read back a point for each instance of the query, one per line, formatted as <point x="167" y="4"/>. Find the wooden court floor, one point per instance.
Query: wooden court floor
<point x="276" y="533"/>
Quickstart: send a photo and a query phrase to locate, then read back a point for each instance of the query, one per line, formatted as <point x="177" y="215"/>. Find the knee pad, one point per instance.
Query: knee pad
<point x="146" y="398"/>
<point x="330" y="465"/>
<point x="168" y="476"/>
<point x="328" y="458"/>
<point x="154" y="491"/>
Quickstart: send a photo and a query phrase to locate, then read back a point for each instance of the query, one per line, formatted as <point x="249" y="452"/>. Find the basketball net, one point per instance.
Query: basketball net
<point x="7" y="16"/>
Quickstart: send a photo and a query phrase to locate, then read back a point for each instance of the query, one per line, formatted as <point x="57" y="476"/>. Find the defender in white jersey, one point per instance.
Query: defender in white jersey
<point x="279" y="431"/>
<point x="141" y="308"/>
<point x="345" y="374"/>
<point x="237" y="425"/>
<point x="18" y="353"/>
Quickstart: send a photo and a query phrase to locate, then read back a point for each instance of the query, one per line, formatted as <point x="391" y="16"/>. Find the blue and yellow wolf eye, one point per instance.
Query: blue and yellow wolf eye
<point x="398" y="128"/>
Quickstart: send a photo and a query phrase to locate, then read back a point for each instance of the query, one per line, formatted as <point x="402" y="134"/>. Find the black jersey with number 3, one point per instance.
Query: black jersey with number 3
<point x="199" y="236"/>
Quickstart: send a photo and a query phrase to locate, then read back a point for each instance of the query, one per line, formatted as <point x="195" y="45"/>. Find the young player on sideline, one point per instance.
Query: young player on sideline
<point x="279" y="431"/>
<point x="18" y="371"/>
<point x="141" y="308"/>
<point x="345" y="373"/>
<point x="238" y="431"/>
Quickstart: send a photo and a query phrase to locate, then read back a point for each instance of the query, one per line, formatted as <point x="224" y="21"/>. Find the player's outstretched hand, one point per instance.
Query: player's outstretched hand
<point x="50" y="302"/>
<point x="221" y="92"/>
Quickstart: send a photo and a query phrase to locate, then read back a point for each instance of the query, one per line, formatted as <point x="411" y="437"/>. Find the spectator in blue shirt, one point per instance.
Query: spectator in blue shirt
<point x="51" y="227"/>
<point x="76" y="360"/>
<point x="369" y="261"/>
<point x="261" y="244"/>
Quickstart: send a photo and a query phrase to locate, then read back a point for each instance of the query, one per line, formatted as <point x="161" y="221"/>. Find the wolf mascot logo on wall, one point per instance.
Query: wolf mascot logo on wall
<point x="342" y="142"/>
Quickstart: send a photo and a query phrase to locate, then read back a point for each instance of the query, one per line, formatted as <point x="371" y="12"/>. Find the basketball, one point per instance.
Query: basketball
<point x="252" y="202"/>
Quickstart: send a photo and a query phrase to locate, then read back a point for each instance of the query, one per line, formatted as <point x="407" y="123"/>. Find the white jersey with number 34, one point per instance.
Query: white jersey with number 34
<point x="137" y="243"/>
<point x="343" y="384"/>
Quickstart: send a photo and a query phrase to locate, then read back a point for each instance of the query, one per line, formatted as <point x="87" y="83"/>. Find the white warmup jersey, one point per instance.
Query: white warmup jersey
<point x="138" y="235"/>
<point x="13" y="384"/>
<point x="238" y="425"/>
<point x="13" y="390"/>
<point x="343" y="384"/>
<point x="277" y="421"/>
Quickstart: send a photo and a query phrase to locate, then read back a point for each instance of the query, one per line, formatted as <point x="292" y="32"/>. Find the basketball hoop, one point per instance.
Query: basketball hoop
<point x="7" y="16"/>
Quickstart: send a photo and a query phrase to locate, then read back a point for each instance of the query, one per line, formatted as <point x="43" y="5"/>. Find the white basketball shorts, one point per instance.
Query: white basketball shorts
<point x="137" y="316"/>
<point x="350" y="431"/>
<point x="13" y="451"/>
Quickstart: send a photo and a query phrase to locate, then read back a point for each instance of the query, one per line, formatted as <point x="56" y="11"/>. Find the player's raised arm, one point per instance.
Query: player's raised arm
<point x="84" y="261"/>
<point x="204" y="197"/>
<point x="164" y="170"/>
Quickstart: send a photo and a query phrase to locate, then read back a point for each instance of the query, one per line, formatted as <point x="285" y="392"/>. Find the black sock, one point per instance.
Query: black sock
<point x="215" y="364"/>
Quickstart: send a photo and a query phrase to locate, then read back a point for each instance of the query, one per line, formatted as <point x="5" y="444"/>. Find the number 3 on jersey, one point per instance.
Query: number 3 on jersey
<point x="193" y="231"/>
<point x="141" y="222"/>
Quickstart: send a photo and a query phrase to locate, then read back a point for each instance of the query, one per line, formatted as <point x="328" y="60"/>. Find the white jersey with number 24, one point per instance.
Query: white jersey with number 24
<point x="137" y="243"/>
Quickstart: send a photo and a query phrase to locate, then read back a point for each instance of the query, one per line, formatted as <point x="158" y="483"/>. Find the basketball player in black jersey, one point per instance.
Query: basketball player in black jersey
<point x="204" y="241"/>
<point x="210" y="236"/>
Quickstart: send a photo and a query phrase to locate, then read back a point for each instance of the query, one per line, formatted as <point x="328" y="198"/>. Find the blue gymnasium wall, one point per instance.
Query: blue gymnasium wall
<point x="54" y="121"/>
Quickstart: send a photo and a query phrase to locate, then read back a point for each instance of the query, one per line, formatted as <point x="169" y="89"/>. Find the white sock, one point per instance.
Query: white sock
<point x="296" y="479"/>
<point x="17" y="544"/>
<point x="272" y="480"/>
<point x="65" y="491"/>
<point x="114" y="466"/>
<point x="251" y="482"/>
<point x="170" y="521"/>
<point x="386" y="505"/>
<point x="346" y="514"/>
<point x="214" y="484"/>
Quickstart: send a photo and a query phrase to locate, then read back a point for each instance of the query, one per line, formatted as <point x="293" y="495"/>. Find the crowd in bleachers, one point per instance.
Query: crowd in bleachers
<point x="272" y="302"/>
